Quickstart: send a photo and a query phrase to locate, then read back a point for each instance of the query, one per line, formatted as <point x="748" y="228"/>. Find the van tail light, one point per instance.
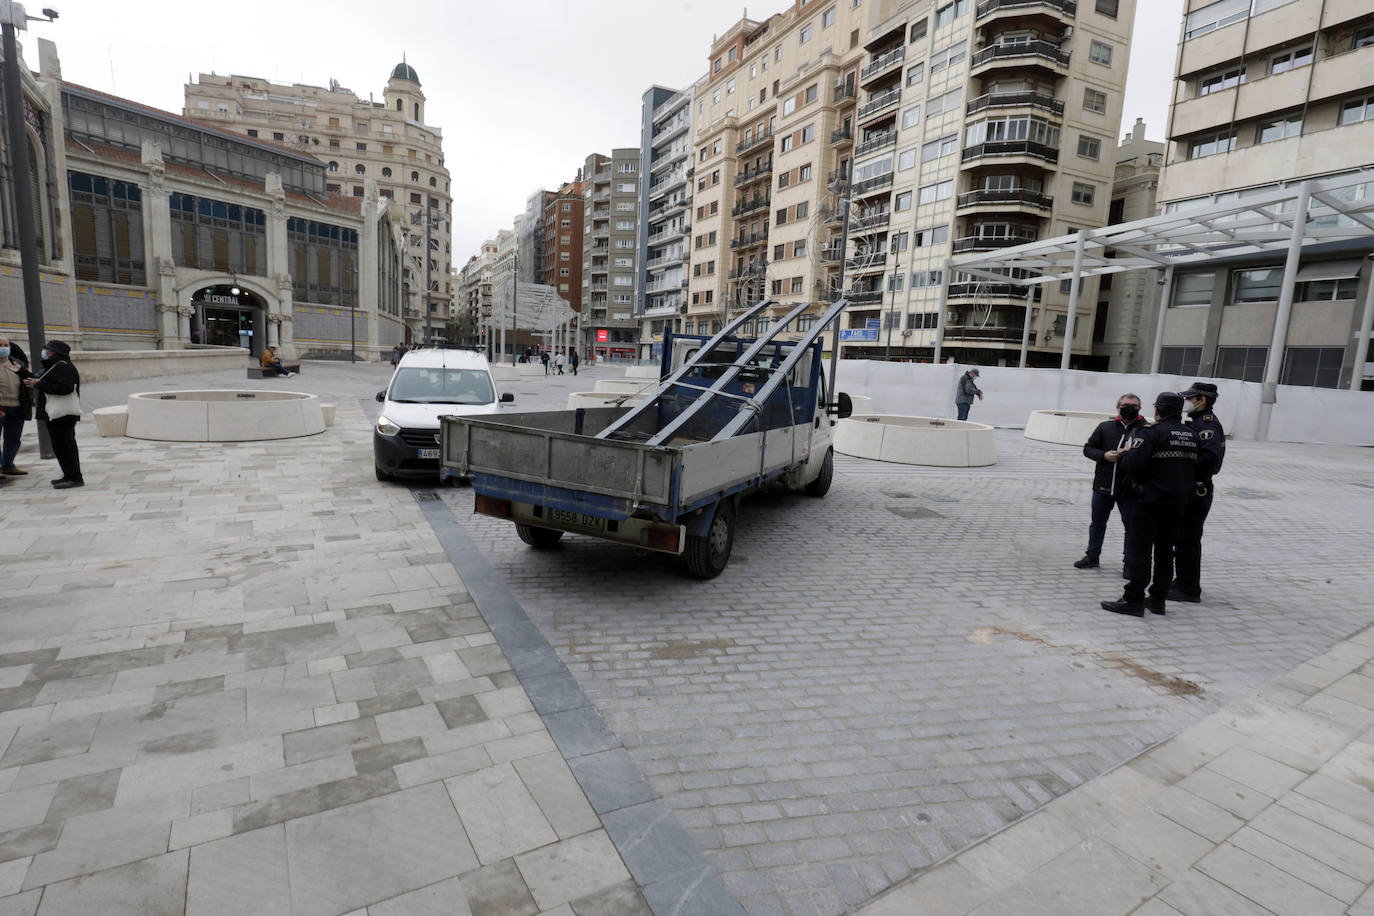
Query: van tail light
<point x="487" y="505"/>
<point x="662" y="539"/>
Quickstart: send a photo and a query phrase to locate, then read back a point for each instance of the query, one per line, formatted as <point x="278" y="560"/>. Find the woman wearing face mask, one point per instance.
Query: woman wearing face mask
<point x="16" y="403"/>
<point x="59" y="377"/>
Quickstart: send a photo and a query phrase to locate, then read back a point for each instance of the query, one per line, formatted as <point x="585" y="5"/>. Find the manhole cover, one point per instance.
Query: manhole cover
<point x="913" y="512"/>
<point x="426" y="496"/>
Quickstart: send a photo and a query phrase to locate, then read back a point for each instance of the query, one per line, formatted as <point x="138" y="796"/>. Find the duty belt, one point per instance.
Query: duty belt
<point x="1191" y="456"/>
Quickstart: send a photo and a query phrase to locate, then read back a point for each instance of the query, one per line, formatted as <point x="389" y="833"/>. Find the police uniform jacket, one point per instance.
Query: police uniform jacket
<point x="1162" y="461"/>
<point x="1211" y="444"/>
<point x="1110" y="434"/>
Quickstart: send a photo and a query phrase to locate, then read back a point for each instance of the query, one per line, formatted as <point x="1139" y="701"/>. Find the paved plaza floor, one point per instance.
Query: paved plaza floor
<point x="249" y="677"/>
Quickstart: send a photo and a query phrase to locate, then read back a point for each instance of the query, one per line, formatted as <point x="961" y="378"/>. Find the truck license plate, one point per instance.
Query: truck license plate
<point x="429" y="453"/>
<point x="578" y="519"/>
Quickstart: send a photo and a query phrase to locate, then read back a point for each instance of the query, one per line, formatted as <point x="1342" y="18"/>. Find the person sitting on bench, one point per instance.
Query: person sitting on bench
<point x="269" y="361"/>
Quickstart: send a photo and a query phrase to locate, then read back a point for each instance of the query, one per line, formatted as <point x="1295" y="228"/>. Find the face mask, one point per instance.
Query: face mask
<point x="4" y="352"/>
<point x="1128" y="412"/>
<point x="1192" y="406"/>
<point x="45" y="354"/>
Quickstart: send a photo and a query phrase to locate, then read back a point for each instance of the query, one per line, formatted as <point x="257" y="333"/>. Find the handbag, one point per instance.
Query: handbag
<point x="57" y="406"/>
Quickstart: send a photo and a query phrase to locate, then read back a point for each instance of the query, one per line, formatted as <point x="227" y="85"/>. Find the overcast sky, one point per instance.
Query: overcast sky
<point x="523" y="89"/>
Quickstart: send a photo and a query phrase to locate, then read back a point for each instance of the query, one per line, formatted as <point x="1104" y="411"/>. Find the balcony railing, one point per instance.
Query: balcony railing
<point x="967" y="332"/>
<point x="882" y="62"/>
<point x="988" y="7"/>
<point x="1012" y="148"/>
<point x="1018" y="100"/>
<point x="830" y="254"/>
<point x="748" y="206"/>
<point x="986" y="291"/>
<point x="876" y="142"/>
<point x="1006" y="196"/>
<point x="987" y="243"/>
<point x="750" y="174"/>
<point x="744" y="241"/>
<point x="841" y="135"/>
<point x="873" y="184"/>
<point x="754" y="141"/>
<point x="666" y="206"/>
<point x="842" y="92"/>
<point x="871" y="222"/>
<point x="865" y="295"/>
<point x="866" y="261"/>
<point x="1042" y="49"/>
<point x="754" y="271"/>
<point x="879" y="102"/>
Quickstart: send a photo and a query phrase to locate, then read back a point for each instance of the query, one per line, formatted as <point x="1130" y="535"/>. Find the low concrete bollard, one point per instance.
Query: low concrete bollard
<point x="110" y="422"/>
<point x="328" y="411"/>
<point x="1065" y="427"/>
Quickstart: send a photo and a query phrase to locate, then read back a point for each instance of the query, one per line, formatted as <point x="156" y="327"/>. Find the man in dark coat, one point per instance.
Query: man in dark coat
<point x="16" y="405"/>
<point x="1110" y="487"/>
<point x="968" y="389"/>
<point x="1211" y="446"/>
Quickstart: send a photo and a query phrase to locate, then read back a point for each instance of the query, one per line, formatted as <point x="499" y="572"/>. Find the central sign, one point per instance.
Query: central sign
<point x="220" y="299"/>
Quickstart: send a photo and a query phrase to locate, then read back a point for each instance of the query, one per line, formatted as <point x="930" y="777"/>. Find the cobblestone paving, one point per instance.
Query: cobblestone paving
<point x="887" y="675"/>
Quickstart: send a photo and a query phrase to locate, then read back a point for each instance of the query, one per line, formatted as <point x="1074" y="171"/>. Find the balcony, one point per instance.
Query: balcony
<point x="969" y="332"/>
<point x="875" y="183"/>
<point x="860" y="296"/>
<point x="661" y="210"/>
<point x="986" y="291"/>
<point x="879" y="102"/>
<point x="749" y="206"/>
<point x="1057" y="8"/>
<point x="842" y="92"/>
<point x="1017" y="100"/>
<point x="830" y="254"/>
<point x="882" y="64"/>
<point x="1021" y="52"/>
<point x="862" y="263"/>
<point x="753" y="271"/>
<point x="841" y="135"/>
<point x="745" y="241"/>
<point x="998" y="148"/>
<point x="1006" y="197"/>
<point x="987" y="243"/>
<point x="663" y="184"/>
<point x="876" y="142"/>
<point x="753" y="174"/>
<point x="756" y="140"/>
<point x="663" y="286"/>
<point x="870" y="222"/>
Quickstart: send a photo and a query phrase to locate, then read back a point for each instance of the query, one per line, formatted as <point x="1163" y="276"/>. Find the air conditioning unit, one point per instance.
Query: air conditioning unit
<point x="907" y="332"/>
<point x="951" y="317"/>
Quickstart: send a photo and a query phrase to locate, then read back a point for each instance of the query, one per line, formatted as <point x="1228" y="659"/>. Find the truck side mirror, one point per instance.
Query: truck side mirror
<point x="381" y="396"/>
<point x="507" y="398"/>
<point x="846" y="406"/>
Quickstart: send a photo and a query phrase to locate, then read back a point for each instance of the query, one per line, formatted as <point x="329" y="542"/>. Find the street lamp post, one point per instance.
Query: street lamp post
<point x="842" y="180"/>
<point x="897" y="272"/>
<point x="12" y="17"/>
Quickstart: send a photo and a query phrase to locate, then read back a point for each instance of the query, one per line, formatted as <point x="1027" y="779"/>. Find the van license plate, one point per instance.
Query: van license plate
<point x="427" y="454"/>
<point x="578" y="519"/>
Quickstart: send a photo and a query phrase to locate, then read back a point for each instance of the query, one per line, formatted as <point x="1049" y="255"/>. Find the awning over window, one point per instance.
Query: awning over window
<point x="1329" y="270"/>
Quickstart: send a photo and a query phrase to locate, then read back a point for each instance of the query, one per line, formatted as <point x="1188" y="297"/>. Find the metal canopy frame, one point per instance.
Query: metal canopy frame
<point x="1307" y="212"/>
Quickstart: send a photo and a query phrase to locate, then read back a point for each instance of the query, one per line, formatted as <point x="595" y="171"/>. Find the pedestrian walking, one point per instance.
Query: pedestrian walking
<point x="968" y="389"/>
<point x="16" y="405"/>
<point x="573" y="360"/>
<point x="58" y="405"/>
<point x="558" y="363"/>
<point x="544" y="358"/>
<point x="1211" y="447"/>
<point x="1161" y="461"/>
<point x="1110" y="487"/>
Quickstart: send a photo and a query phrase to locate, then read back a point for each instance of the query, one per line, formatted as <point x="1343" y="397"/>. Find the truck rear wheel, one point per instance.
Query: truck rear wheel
<point x="707" y="556"/>
<point x="538" y="538"/>
<point x="821" y="485"/>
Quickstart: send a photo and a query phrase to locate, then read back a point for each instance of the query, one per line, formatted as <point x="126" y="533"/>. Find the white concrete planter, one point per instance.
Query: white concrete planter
<point x="863" y="404"/>
<point x="624" y="385"/>
<point x="110" y="422"/>
<point x="929" y="441"/>
<point x="645" y="372"/>
<point x="223" y="416"/>
<point x="528" y="369"/>
<point x="505" y="373"/>
<point x="1066" y="427"/>
<point x="600" y="399"/>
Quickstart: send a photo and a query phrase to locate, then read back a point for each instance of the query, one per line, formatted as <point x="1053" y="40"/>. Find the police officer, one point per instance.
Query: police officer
<point x="1161" y="462"/>
<point x="1109" y="487"/>
<point x="1211" y="445"/>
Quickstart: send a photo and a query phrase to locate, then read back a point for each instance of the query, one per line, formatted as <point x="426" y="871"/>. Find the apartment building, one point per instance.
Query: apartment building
<point x="1268" y="93"/>
<point x="387" y="141"/>
<point x="562" y="218"/>
<point x="609" y="244"/>
<point x="954" y="127"/>
<point x="1128" y="303"/>
<point x="665" y="203"/>
<point x="534" y="237"/>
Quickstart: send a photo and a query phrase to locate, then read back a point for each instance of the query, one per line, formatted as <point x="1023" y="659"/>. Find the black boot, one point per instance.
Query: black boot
<point x="1155" y="606"/>
<point x="1088" y="562"/>
<point x="1178" y="594"/>
<point x="1129" y="608"/>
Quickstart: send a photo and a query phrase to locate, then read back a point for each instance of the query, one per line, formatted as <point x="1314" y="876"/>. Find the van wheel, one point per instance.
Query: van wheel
<point x="538" y="538"/>
<point x="821" y="485"/>
<point x="708" y="555"/>
<point x="381" y="475"/>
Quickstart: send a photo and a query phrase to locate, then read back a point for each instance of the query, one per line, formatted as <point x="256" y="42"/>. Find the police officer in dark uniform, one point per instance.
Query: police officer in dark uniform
<point x="1161" y="462"/>
<point x="1211" y="445"/>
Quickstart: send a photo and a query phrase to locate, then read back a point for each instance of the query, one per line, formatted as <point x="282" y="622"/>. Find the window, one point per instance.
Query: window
<point x="906" y="159"/>
<point x="1316" y="367"/>
<point x="624" y="225"/>
<point x="716" y="65"/>
<point x="1193" y="289"/>
<point x="1222" y="79"/>
<point x="805" y="35"/>
<point x="1180" y="360"/>
<point x="903" y="202"/>
<point x="935" y="235"/>
<point x="810" y="95"/>
<point x="915" y="73"/>
<point x="1358" y="110"/>
<point x="930" y="193"/>
<point x="1327" y="290"/>
<point x="918" y="29"/>
<point x="1107" y="7"/>
<point x="898" y="242"/>
<point x="414" y="176"/>
<point x="1256" y="286"/>
<point x="808" y="133"/>
<point x="796" y="284"/>
<point x="564" y="256"/>
<point x="922" y="279"/>
<point x="1089" y="147"/>
<point x="950" y="11"/>
<point x="730" y="87"/>
<point x="715" y="177"/>
<point x="433" y="182"/>
<point x="1279" y="128"/>
<point x="754" y="70"/>
<point x="1244" y="363"/>
<point x="784" y="179"/>
<point x="386" y="172"/>
<point x="1212" y="143"/>
<point x="777" y="53"/>
<point x="804" y="173"/>
<point x="1298" y="57"/>
<point x="803" y="209"/>
<point x="938" y="148"/>
<point x="781" y="217"/>
<point x="828" y="18"/>
<point x="911" y="116"/>
<point x="627" y="168"/>
<point x="624" y="262"/>
<point x="799" y="248"/>
<point x="779" y="252"/>
<point x="278" y="136"/>
<point x="789" y="105"/>
<point x="360" y="169"/>
<point x="948" y="102"/>
<point x="1093" y="100"/>
<point x="1083" y="193"/>
<point x="786" y="144"/>
<point x="948" y="57"/>
<point x="1100" y="53"/>
<point x="1214" y="16"/>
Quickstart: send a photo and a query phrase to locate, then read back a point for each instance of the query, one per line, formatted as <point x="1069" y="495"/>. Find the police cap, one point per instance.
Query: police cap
<point x="1201" y="389"/>
<point x="1169" y="401"/>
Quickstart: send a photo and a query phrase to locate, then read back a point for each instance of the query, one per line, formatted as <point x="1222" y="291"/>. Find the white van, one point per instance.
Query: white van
<point x="426" y="385"/>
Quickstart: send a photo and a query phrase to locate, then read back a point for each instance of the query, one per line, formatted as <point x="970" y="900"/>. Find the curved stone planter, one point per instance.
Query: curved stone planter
<point x="863" y="404"/>
<point x="623" y="385"/>
<point x="1065" y="427"/>
<point x="643" y="372"/>
<point x="223" y="416"/>
<point x="928" y="441"/>
<point x="600" y="399"/>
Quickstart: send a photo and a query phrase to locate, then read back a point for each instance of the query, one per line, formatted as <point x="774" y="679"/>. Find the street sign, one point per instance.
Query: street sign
<point x="859" y="334"/>
<point x="874" y="323"/>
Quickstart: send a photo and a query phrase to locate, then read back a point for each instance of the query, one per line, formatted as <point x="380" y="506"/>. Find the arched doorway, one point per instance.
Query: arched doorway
<point x="228" y="315"/>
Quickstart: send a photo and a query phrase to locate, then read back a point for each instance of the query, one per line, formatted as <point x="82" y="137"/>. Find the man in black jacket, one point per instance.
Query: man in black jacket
<point x="1211" y="447"/>
<point x="1161" y="461"/>
<point x="1109" y="487"/>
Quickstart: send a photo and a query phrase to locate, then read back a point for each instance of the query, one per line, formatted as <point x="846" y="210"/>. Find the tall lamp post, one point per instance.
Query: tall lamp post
<point x="896" y="272"/>
<point x="12" y="17"/>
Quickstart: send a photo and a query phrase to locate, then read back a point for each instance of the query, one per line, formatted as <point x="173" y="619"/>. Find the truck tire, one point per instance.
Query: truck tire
<point x="707" y="556"/>
<point x="538" y="538"/>
<point x="821" y="485"/>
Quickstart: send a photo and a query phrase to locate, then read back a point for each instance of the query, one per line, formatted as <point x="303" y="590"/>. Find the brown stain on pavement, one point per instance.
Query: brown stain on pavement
<point x="1174" y="686"/>
<point x="689" y="648"/>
